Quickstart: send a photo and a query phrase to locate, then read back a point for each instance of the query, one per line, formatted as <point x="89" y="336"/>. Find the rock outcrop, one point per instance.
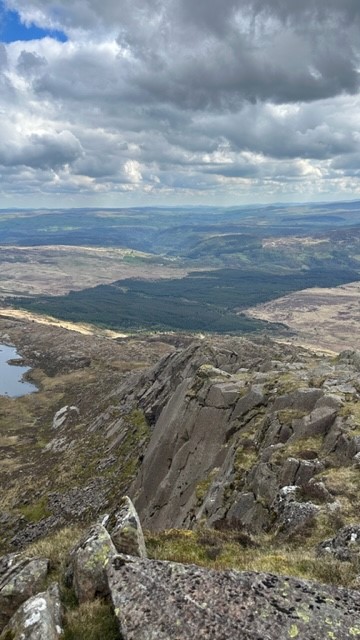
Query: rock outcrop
<point x="345" y="546"/>
<point x="231" y="427"/>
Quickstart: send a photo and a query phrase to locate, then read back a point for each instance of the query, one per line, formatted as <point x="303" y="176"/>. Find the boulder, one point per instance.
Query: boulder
<point x="88" y="562"/>
<point x="253" y="399"/>
<point x="299" y="400"/>
<point x="246" y="512"/>
<point x="262" y="481"/>
<point x="20" y="580"/>
<point x="344" y="546"/>
<point x="38" y="618"/>
<point x="317" y="423"/>
<point x="127" y="534"/>
<point x="293" y="517"/>
<point x="224" y="395"/>
<point x="299" y="472"/>
<point x="162" y="600"/>
<point x="65" y="416"/>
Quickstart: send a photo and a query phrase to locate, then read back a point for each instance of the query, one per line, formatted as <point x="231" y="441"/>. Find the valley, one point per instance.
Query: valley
<point x="182" y="269"/>
<point x="215" y="381"/>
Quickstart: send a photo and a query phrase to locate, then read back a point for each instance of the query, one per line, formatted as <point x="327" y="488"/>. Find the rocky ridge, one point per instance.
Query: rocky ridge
<point x="250" y="437"/>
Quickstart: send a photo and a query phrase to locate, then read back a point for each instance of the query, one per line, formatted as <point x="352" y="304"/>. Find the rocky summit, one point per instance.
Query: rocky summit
<point x="240" y="460"/>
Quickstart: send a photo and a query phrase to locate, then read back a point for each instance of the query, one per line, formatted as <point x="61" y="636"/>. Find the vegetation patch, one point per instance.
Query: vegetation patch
<point x="304" y="448"/>
<point x="36" y="511"/>
<point x="91" y="621"/>
<point x="204" y="485"/>
<point x="234" y="551"/>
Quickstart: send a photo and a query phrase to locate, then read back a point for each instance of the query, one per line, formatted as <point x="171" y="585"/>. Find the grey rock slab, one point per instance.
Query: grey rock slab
<point x="299" y="400"/>
<point x="19" y="582"/>
<point x="38" y="618"/>
<point x="187" y="443"/>
<point x="299" y="472"/>
<point x="317" y="423"/>
<point x="127" y="534"/>
<point x="249" y="513"/>
<point x="161" y="600"/>
<point x="253" y="399"/>
<point x="223" y="395"/>
<point x="263" y="482"/>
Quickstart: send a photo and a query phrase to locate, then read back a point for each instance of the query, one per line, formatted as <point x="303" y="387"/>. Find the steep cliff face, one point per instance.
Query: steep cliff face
<point x="244" y="434"/>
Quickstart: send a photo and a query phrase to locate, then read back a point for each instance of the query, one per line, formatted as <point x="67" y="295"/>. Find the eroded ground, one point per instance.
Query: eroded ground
<point x="321" y="318"/>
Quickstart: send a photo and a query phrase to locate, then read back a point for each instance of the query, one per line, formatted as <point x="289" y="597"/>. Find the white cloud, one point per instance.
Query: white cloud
<point x="173" y="99"/>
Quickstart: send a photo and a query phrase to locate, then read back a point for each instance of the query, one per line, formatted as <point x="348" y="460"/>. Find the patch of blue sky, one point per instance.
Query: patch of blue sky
<point x="13" y="30"/>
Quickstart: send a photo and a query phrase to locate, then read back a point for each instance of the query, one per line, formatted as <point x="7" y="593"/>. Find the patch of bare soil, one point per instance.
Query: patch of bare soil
<point x="55" y="270"/>
<point x="327" y="319"/>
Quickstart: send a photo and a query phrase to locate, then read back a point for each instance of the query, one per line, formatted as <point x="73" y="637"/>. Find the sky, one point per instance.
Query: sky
<point x="174" y="102"/>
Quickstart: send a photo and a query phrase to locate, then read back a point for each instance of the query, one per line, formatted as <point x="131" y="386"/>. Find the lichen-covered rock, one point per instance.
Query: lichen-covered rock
<point x="293" y="517"/>
<point x="38" y="618"/>
<point x="127" y="534"/>
<point x="344" y="546"/>
<point x="88" y="562"/>
<point x="20" y="580"/>
<point x="162" y="600"/>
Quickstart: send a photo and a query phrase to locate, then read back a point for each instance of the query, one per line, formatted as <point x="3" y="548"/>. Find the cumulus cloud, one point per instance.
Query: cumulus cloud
<point x="167" y="97"/>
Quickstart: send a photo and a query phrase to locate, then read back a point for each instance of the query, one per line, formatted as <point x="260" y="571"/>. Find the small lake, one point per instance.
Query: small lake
<point x="11" y="376"/>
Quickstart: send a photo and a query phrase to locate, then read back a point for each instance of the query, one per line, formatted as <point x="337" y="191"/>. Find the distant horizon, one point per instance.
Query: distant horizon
<point x="185" y="206"/>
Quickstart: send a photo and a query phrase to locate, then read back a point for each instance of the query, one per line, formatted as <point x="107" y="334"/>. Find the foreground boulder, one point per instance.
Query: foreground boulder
<point x="88" y="562"/>
<point x="39" y="618"/>
<point x="165" y="600"/>
<point x="19" y="580"/>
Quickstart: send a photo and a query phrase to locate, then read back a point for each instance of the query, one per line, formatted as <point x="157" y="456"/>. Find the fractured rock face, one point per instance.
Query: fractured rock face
<point x="21" y="580"/>
<point x="162" y="600"/>
<point x="39" y="618"/>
